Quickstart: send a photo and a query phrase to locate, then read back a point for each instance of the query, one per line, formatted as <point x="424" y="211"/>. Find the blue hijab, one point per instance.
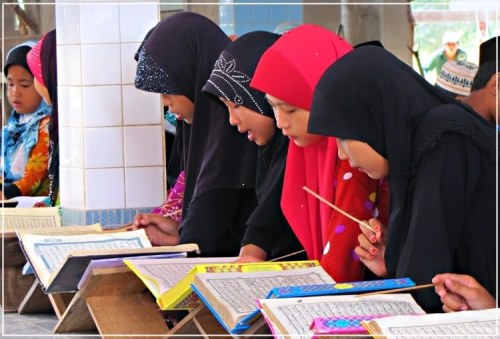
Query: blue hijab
<point x="19" y="137"/>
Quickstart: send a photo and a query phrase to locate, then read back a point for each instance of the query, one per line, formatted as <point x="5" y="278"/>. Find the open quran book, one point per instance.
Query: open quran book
<point x="292" y="317"/>
<point x="169" y="280"/>
<point x="60" y="256"/>
<point x="24" y="219"/>
<point x="232" y="296"/>
<point x="465" y="324"/>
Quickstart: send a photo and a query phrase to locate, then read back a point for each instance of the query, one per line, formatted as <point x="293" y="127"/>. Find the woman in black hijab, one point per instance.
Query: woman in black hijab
<point x="268" y="234"/>
<point x="440" y="157"/>
<point x="176" y="60"/>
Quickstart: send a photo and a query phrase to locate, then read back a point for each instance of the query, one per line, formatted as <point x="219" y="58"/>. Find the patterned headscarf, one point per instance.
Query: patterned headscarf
<point x="234" y="69"/>
<point x="177" y="58"/>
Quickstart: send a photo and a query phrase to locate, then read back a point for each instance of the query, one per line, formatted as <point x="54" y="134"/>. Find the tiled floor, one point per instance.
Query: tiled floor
<point x="15" y="325"/>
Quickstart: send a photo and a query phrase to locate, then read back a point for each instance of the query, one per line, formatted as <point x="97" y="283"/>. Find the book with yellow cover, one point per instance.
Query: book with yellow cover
<point x="169" y="279"/>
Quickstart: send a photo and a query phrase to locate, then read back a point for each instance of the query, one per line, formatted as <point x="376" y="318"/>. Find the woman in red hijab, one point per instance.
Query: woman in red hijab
<point x="288" y="73"/>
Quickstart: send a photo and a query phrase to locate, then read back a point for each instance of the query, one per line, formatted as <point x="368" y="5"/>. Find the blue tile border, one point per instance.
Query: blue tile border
<point x="110" y="218"/>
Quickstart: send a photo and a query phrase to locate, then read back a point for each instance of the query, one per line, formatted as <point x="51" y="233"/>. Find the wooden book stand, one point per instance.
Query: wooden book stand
<point x="115" y="302"/>
<point x="201" y="322"/>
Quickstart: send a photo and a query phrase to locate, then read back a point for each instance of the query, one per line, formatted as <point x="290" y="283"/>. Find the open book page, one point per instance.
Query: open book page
<point x="159" y="275"/>
<point x="234" y="295"/>
<point x="293" y="316"/>
<point x="119" y="262"/>
<point x="466" y="324"/>
<point x="47" y="252"/>
<point x="13" y="219"/>
<point x="63" y="230"/>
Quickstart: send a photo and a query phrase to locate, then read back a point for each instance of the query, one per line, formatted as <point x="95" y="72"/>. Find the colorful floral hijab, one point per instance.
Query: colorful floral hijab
<point x="20" y="134"/>
<point x="289" y="71"/>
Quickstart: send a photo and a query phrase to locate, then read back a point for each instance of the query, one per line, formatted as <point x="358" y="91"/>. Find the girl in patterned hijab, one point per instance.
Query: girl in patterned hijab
<point x="220" y="165"/>
<point x="268" y="234"/>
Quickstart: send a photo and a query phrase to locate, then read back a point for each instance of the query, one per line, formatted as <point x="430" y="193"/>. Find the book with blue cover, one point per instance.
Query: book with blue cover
<point x="353" y="287"/>
<point x="232" y="296"/>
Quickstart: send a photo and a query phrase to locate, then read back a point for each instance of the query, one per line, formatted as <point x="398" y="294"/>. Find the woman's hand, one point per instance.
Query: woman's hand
<point x="251" y="253"/>
<point x="371" y="247"/>
<point x="159" y="229"/>
<point x="461" y="292"/>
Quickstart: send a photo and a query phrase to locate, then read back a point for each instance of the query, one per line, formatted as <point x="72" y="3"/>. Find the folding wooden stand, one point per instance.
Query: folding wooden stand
<point x="16" y="285"/>
<point x="115" y="302"/>
<point x="35" y="301"/>
<point x="201" y="322"/>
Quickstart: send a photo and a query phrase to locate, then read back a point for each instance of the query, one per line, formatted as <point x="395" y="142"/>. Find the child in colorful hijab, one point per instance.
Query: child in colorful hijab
<point x="268" y="234"/>
<point x="42" y="62"/>
<point x="440" y="159"/>
<point x="25" y="141"/>
<point x="288" y="73"/>
<point x="220" y="164"/>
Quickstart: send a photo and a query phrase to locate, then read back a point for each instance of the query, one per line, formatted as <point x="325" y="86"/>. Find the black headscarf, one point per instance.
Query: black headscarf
<point x="230" y="79"/>
<point x="49" y="73"/>
<point x="177" y="58"/>
<point x="371" y="96"/>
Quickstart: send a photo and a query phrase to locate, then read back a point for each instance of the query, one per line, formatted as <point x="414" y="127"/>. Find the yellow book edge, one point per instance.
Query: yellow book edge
<point x="373" y="329"/>
<point x="145" y="278"/>
<point x="182" y="297"/>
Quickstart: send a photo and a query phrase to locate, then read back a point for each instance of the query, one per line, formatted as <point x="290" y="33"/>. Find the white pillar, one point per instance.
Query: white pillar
<point x="111" y="139"/>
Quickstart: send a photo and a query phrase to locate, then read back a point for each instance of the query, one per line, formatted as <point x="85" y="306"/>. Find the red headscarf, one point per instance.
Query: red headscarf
<point x="289" y="71"/>
<point x="35" y="61"/>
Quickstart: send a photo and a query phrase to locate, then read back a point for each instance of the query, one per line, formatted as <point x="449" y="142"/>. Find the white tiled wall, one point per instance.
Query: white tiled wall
<point x="138" y="181"/>
<point x="70" y="106"/>
<point x="69" y="65"/>
<point x="111" y="134"/>
<point x="103" y="147"/>
<point x="143" y="146"/>
<point x="104" y="188"/>
<point x="140" y="108"/>
<point x="133" y="27"/>
<point x="71" y="146"/>
<point x="101" y="64"/>
<point x="67" y="14"/>
<point x="99" y="23"/>
<point x="72" y="187"/>
<point x="128" y="62"/>
<point x="102" y="106"/>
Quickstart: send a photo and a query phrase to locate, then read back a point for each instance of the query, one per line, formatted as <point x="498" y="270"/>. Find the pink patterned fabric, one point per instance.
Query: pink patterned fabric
<point x="35" y="62"/>
<point x="173" y="204"/>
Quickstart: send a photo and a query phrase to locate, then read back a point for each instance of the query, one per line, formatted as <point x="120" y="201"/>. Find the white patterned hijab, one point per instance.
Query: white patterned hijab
<point x="234" y="70"/>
